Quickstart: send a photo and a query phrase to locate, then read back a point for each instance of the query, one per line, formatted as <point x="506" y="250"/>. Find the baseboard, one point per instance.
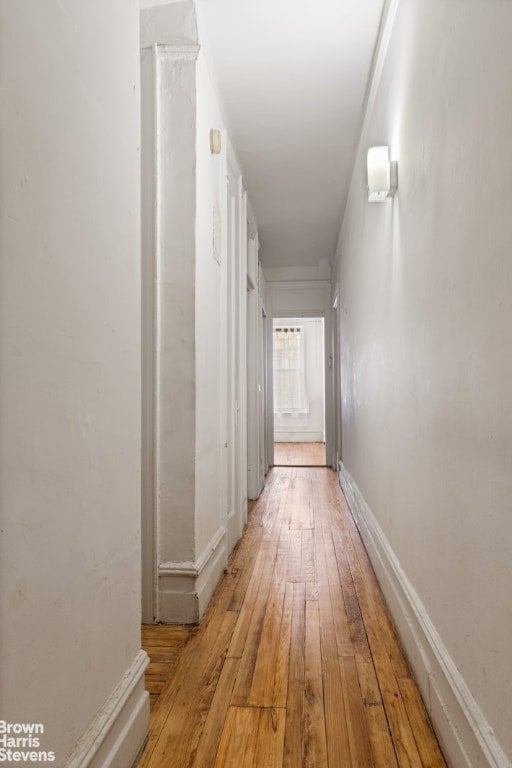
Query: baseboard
<point x="118" y="733"/>
<point x="210" y="576"/>
<point x="284" y="436"/>
<point x="185" y="589"/>
<point x="467" y="739"/>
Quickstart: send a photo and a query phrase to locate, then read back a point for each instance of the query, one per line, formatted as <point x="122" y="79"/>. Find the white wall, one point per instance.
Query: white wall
<point x="310" y="426"/>
<point x="298" y="298"/>
<point x="221" y="322"/>
<point x="70" y="385"/>
<point x="426" y="321"/>
<point x="211" y="211"/>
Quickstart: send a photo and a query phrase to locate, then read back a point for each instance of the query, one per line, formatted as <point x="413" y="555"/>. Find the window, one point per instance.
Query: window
<point x="290" y="394"/>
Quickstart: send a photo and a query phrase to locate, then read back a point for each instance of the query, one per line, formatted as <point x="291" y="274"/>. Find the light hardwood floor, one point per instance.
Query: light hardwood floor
<point x="164" y="645"/>
<point x="299" y="454"/>
<point x="296" y="663"/>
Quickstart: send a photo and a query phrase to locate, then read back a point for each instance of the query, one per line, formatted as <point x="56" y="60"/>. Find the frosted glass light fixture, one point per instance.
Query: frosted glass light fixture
<point x="382" y="175"/>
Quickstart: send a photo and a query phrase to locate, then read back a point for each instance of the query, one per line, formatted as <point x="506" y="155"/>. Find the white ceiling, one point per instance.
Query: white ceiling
<point x="292" y="77"/>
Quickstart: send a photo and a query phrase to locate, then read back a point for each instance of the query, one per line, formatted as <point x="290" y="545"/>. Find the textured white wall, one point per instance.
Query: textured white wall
<point x="426" y="319"/>
<point x="70" y="360"/>
<point x="290" y="298"/>
<point x="220" y="311"/>
<point x="168" y="23"/>
<point x="211" y="190"/>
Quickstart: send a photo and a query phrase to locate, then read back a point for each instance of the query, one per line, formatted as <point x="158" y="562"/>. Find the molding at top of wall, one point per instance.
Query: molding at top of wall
<point x="379" y="57"/>
<point x="306" y="273"/>
<point x="466" y="737"/>
<point x="381" y="49"/>
<point x="297" y="285"/>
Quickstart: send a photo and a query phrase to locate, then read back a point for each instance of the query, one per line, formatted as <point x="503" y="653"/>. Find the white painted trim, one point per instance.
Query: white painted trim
<point x="322" y="309"/>
<point x="466" y="737"/>
<point x="251" y="220"/>
<point x="381" y="49"/>
<point x="298" y="285"/>
<point x="380" y="57"/>
<point x="233" y="166"/>
<point x="149" y="249"/>
<point x="185" y="588"/>
<point x="167" y="51"/>
<point x="189" y="568"/>
<point x="336" y="296"/>
<point x="117" y="734"/>
<point x="297" y="273"/>
<point x="255" y="384"/>
<point x="242" y="362"/>
<point x="298" y="436"/>
<point x="267" y="373"/>
<point x="329" y="395"/>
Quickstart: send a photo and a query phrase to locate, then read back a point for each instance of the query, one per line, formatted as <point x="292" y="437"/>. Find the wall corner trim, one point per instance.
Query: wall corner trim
<point x="185" y="588"/>
<point x="117" y="734"/>
<point x="466" y="737"/>
<point x="189" y="568"/>
<point x="168" y="51"/>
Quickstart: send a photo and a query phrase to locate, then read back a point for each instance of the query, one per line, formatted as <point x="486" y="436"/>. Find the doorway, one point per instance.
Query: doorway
<point x="299" y="391"/>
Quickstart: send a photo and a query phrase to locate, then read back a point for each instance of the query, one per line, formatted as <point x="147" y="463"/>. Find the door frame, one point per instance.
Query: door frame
<point x="326" y="312"/>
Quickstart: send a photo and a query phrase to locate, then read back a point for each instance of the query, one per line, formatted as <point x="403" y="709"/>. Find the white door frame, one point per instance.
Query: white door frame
<point x="295" y="308"/>
<point x="236" y="359"/>
<point x="148" y="335"/>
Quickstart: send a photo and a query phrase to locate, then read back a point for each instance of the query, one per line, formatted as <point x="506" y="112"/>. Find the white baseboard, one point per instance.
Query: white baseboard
<point x="118" y="733"/>
<point x="467" y="739"/>
<point x="185" y="589"/>
<point x="304" y="436"/>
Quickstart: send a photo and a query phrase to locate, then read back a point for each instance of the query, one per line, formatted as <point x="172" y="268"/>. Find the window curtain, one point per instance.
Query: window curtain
<point x="290" y="395"/>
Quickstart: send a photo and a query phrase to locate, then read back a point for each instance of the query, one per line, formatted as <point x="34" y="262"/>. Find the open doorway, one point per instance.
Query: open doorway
<point x="299" y="391"/>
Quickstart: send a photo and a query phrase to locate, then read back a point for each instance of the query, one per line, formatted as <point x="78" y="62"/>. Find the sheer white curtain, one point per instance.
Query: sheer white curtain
<point x="290" y="395"/>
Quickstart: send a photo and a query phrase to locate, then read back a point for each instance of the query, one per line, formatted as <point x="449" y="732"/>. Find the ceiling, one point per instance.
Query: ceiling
<point x="292" y="77"/>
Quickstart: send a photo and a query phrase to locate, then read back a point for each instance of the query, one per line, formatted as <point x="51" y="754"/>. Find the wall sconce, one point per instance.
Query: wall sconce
<point x="382" y="175"/>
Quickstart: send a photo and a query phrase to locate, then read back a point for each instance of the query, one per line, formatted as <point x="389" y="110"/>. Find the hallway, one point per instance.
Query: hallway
<point x="296" y="662"/>
<point x="299" y="454"/>
<point x="226" y="227"/>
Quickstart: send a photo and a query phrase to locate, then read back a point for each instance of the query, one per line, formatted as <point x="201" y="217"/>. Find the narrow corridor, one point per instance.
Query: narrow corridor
<point x="296" y="662"/>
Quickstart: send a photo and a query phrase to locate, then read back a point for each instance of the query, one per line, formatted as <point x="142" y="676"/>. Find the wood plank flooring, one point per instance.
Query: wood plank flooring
<point x="164" y="645"/>
<point x="296" y="663"/>
<point x="299" y="454"/>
